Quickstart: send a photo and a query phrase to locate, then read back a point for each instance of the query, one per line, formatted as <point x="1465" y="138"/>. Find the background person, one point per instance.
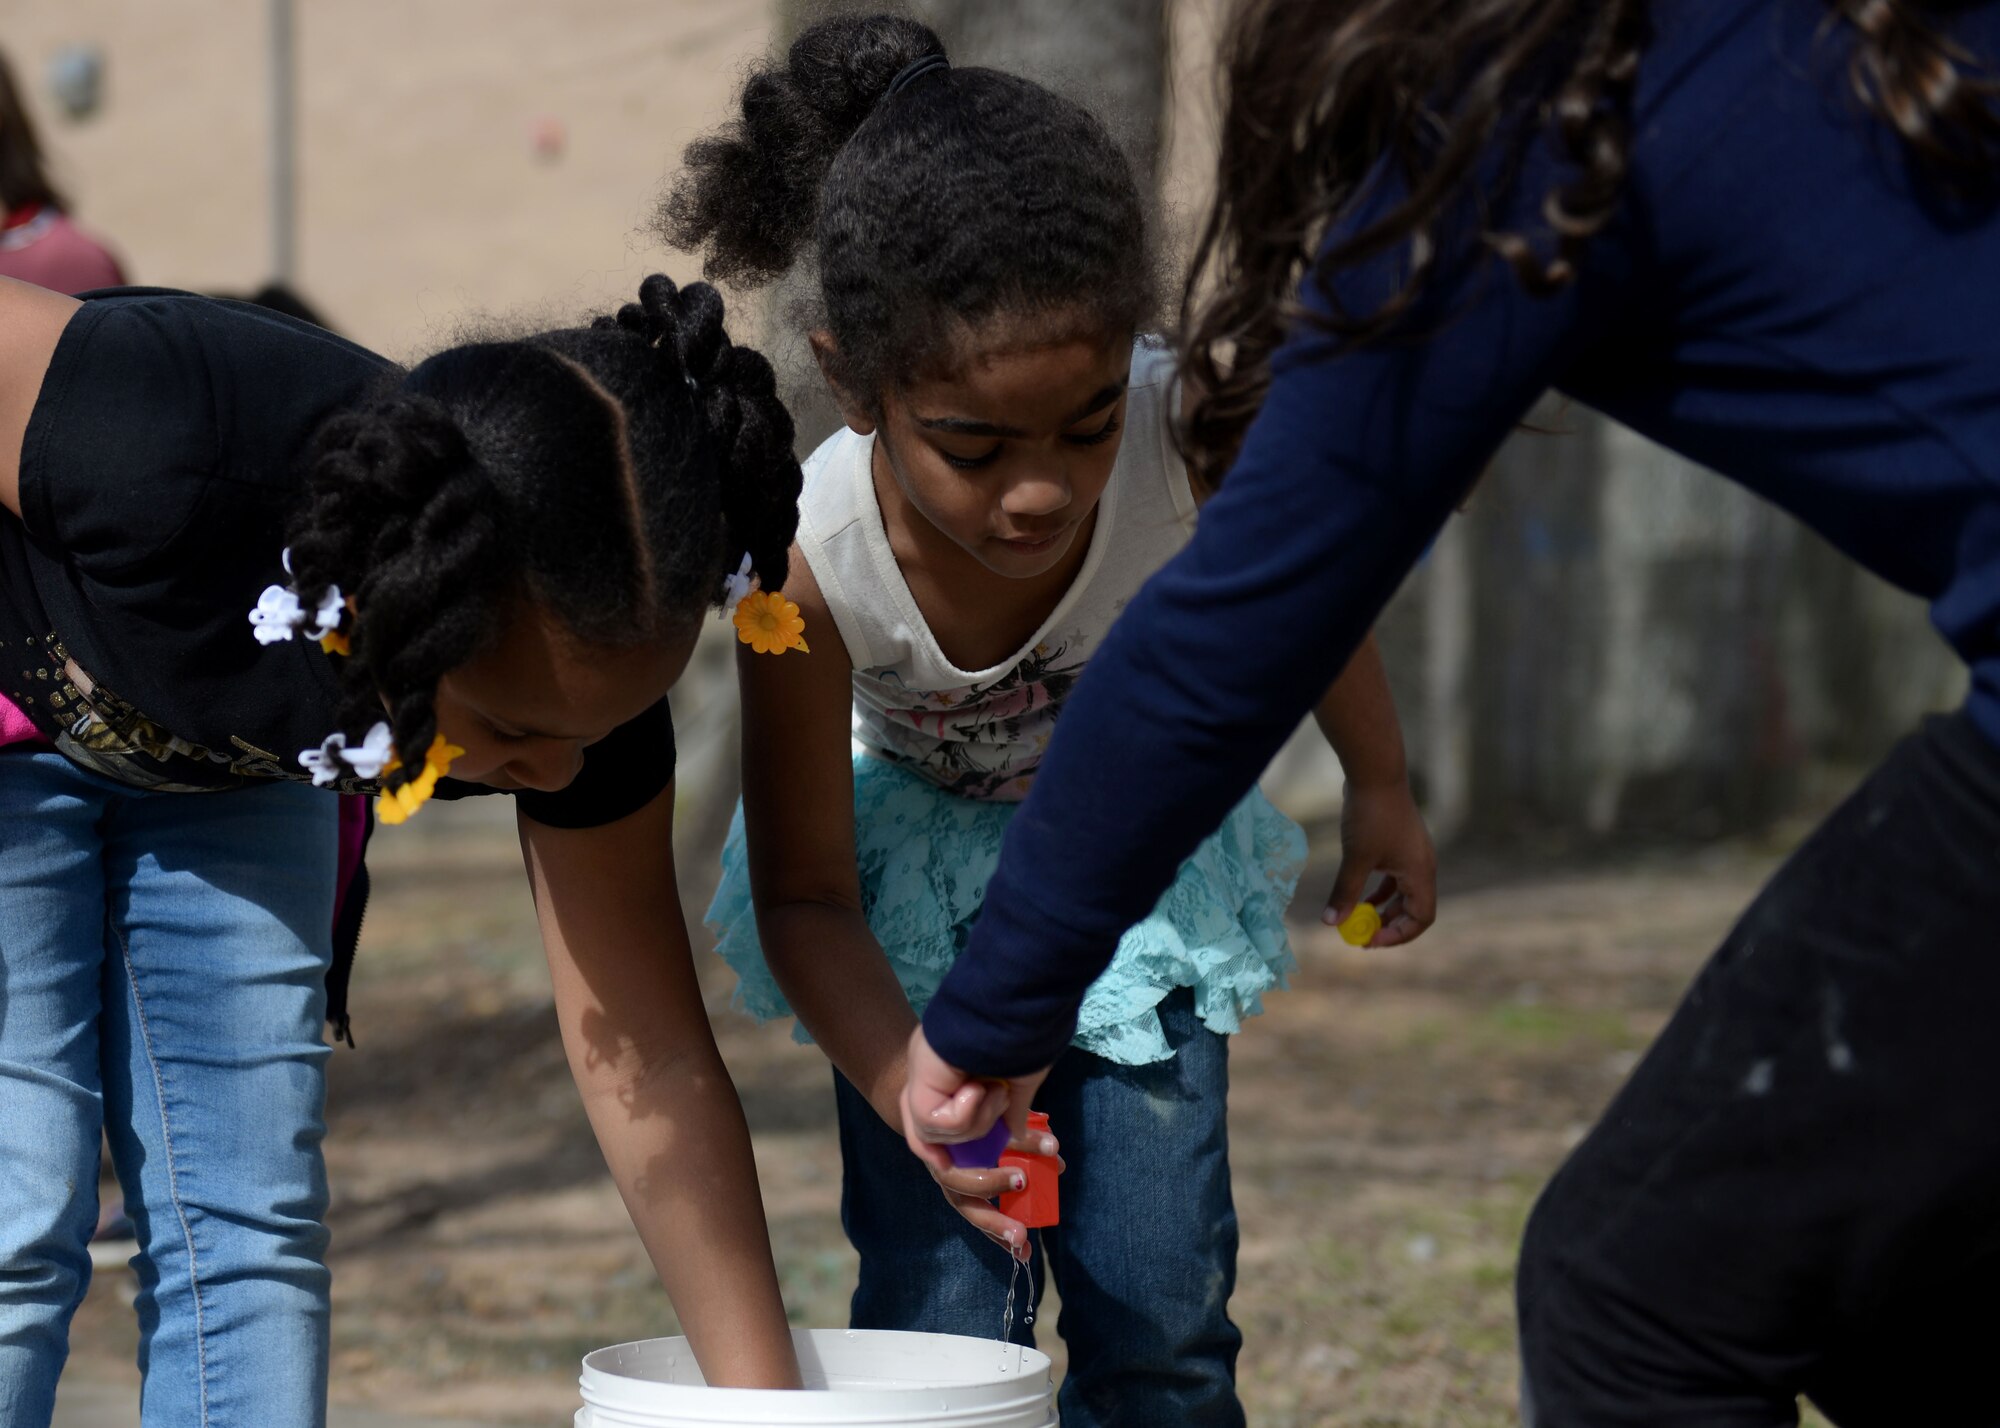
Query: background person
<point x="39" y="243"/>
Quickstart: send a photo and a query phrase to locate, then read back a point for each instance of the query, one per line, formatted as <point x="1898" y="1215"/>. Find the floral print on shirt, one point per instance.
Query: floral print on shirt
<point x="969" y="741"/>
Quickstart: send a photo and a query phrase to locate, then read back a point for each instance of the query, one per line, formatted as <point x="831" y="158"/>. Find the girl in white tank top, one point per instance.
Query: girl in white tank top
<point x="1004" y="484"/>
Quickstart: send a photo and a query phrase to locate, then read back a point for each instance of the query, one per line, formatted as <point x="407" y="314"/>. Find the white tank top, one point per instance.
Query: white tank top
<point x="980" y="733"/>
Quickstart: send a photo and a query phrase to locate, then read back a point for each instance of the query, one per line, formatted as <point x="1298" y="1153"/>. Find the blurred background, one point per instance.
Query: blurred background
<point x="1626" y="691"/>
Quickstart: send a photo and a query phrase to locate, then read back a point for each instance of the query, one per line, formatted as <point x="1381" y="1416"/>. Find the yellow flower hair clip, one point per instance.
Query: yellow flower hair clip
<point x="395" y="805"/>
<point x="765" y="620"/>
<point x="770" y="624"/>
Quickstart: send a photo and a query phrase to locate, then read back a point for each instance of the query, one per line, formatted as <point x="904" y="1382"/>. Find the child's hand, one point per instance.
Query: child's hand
<point x="971" y="1193"/>
<point x="1382" y="832"/>
<point x="942" y="1104"/>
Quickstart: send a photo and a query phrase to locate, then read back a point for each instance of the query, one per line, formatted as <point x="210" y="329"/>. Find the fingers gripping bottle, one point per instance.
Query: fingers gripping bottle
<point x="1036" y="1204"/>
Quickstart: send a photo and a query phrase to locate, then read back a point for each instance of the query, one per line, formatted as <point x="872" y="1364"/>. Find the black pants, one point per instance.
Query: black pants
<point x="1799" y="1189"/>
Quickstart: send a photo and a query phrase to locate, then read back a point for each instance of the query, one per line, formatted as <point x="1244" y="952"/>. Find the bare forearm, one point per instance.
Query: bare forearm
<point x="832" y="971"/>
<point x="1358" y="717"/>
<point x="679" y="1151"/>
<point x="644" y="1058"/>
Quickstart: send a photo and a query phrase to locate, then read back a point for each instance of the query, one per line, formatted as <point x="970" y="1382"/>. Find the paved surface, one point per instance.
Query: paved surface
<point x="82" y="1405"/>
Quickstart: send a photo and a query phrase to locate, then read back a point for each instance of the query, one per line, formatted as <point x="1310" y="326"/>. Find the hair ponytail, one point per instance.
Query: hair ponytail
<point x="750" y="192"/>
<point x="934" y="198"/>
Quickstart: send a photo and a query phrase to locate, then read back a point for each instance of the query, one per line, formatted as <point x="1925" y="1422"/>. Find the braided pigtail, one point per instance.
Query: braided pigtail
<point x="398" y="513"/>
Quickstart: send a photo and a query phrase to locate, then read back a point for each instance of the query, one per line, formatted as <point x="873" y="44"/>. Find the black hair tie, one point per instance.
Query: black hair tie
<point x="915" y="70"/>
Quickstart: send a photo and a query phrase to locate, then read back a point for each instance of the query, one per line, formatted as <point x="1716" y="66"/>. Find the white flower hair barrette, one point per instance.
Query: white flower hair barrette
<point x="333" y="758"/>
<point x="280" y="614"/>
<point x="736" y="588"/>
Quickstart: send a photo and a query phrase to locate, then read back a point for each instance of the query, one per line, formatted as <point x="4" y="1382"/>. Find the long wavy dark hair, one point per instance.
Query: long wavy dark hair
<point x="1319" y="95"/>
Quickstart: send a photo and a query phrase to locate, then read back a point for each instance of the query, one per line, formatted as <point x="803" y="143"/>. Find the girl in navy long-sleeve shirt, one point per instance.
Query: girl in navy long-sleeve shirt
<point x="1693" y="215"/>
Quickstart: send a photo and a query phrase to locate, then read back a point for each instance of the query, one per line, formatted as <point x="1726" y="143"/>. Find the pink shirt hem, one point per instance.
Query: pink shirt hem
<point x="16" y="727"/>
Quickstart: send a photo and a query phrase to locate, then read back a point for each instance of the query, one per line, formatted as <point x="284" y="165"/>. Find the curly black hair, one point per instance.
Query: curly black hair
<point x="967" y="194"/>
<point x="610" y="475"/>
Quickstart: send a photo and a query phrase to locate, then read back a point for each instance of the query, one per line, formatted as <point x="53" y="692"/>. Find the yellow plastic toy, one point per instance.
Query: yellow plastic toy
<point x="1362" y="924"/>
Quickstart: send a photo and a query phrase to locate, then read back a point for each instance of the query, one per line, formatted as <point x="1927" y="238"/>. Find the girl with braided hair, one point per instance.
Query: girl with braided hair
<point x="1765" y="233"/>
<point x="1005" y="480"/>
<point x="479" y="575"/>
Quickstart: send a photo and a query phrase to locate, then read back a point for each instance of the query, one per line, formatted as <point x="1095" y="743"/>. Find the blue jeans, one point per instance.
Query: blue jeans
<point x="162" y="964"/>
<point x="1145" y="1256"/>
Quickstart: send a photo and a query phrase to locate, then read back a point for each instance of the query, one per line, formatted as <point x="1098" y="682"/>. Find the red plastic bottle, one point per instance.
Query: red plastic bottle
<point x="1036" y="1204"/>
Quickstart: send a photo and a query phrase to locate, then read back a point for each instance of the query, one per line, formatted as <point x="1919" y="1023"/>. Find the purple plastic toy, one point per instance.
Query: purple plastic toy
<point x="981" y="1154"/>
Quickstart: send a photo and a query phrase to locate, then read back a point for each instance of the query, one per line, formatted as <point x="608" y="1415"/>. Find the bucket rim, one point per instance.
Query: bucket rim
<point x="1024" y="1382"/>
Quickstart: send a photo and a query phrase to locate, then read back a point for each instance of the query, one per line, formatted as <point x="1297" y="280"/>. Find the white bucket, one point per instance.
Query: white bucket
<point x="852" y="1376"/>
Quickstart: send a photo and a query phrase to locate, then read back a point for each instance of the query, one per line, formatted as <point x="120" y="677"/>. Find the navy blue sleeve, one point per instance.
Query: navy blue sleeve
<point x="1355" y="461"/>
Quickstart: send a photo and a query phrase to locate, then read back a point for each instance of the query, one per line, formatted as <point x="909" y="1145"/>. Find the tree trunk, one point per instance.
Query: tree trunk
<point x="1652" y="649"/>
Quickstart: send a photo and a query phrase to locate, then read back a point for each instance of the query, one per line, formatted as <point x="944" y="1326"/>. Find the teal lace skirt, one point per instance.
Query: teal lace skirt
<point x="925" y="856"/>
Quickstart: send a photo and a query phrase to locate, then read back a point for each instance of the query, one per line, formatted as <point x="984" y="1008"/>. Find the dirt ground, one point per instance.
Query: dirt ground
<point x="1392" y="1117"/>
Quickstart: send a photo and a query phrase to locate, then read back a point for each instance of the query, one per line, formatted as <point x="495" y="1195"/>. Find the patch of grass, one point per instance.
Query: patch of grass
<point x="1495" y="1034"/>
<point x="1396" y="1309"/>
<point x="1545" y="1027"/>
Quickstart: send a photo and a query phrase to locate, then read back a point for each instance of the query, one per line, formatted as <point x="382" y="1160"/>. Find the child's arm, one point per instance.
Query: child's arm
<point x="798" y="819"/>
<point x="654" y="1086"/>
<point x="1381" y="830"/>
<point x="1380" y="827"/>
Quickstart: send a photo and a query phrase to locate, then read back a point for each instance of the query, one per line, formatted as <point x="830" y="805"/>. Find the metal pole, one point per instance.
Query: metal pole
<point x="284" y="145"/>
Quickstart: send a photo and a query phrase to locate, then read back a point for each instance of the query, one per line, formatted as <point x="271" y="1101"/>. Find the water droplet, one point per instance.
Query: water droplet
<point x="1007" y="1314"/>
